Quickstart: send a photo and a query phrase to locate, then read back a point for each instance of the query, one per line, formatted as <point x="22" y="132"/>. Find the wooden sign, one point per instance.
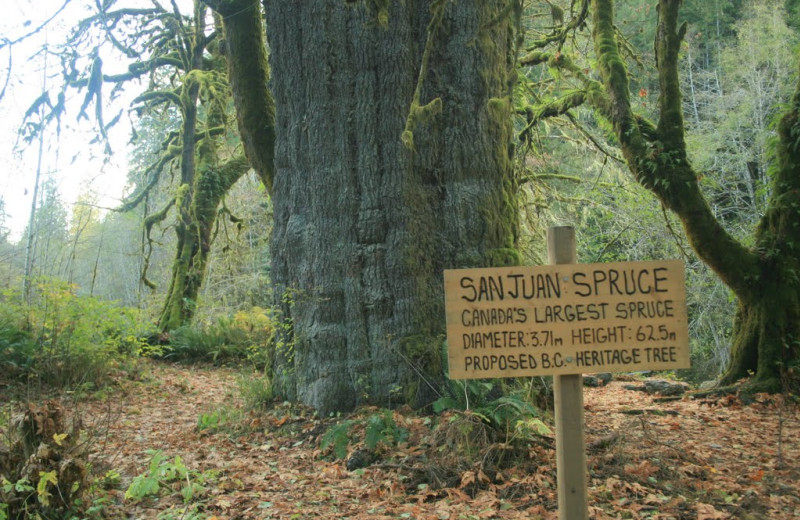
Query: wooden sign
<point x="566" y="319"/>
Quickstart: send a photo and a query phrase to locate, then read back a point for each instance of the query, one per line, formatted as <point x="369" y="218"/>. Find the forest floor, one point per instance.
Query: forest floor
<point x="712" y="458"/>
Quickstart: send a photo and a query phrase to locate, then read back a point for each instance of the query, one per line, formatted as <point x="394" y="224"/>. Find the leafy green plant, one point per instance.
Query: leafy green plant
<point x="210" y="421"/>
<point x="511" y="413"/>
<point x="21" y="488"/>
<point x="338" y="438"/>
<point x="382" y="428"/>
<point x="379" y="428"/>
<point x="162" y="473"/>
<point x="224" y="419"/>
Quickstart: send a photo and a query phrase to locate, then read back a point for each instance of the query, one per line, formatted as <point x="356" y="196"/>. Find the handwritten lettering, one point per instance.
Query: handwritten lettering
<point x="623" y="282"/>
<point x="512" y="286"/>
<point x="483" y="317"/>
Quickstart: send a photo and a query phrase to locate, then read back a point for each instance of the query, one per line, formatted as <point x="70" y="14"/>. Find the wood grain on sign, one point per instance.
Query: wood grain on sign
<point x="566" y="319"/>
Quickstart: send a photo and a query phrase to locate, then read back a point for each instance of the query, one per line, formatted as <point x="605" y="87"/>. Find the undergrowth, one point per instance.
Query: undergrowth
<point x="65" y="340"/>
<point x="166" y="477"/>
<point x="244" y="337"/>
<point x="480" y="428"/>
<point x="43" y="464"/>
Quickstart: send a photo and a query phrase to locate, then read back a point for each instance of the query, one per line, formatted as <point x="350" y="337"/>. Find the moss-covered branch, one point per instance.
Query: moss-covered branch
<point x="417" y="112"/>
<point x="552" y="108"/>
<point x="615" y="78"/>
<point x="159" y="96"/>
<point x="140" y="68"/>
<point x="149" y="222"/>
<point x="132" y="202"/>
<point x="667" y="46"/>
<point x="561" y="32"/>
<point x="248" y="73"/>
<point x="158" y="216"/>
<point x="662" y="165"/>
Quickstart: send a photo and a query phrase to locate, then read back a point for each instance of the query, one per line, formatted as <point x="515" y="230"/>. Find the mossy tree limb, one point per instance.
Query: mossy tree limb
<point x="764" y="278"/>
<point x="661" y="165"/>
<point x="248" y="72"/>
<point x="198" y="218"/>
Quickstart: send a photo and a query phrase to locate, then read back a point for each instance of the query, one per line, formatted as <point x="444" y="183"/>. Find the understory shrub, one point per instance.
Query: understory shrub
<point x="63" y="339"/>
<point x="17" y="348"/>
<point x="507" y="411"/>
<point x="247" y="336"/>
<point x="375" y="430"/>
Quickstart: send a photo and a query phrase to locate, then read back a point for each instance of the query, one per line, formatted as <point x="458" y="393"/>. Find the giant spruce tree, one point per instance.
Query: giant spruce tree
<point x="392" y="162"/>
<point x="765" y="277"/>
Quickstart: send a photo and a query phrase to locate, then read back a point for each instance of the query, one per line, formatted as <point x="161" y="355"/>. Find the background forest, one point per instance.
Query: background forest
<point x="299" y="175"/>
<point x="737" y="68"/>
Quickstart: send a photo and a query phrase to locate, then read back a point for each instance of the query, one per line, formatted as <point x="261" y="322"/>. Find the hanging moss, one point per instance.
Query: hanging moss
<point x="180" y="196"/>
<point x="500" y="108"/>
<point x="419" y="115"/>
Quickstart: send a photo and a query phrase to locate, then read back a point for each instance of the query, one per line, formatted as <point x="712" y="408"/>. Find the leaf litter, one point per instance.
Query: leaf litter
<point x="704" y="459"/>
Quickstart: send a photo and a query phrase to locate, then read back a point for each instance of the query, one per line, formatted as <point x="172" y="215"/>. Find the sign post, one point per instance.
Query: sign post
<point x="566" y="319"/>
<point x="573" y="496"/>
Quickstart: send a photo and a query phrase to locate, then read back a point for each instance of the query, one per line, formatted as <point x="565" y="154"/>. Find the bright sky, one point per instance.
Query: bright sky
<point x="76" y="166"/>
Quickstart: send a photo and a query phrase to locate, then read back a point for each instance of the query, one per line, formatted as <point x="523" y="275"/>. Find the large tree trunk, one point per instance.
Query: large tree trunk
<point x="364" y="225"/>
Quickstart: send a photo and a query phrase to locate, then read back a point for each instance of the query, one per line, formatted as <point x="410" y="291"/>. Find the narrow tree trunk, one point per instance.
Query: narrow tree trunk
<point x="767" y="330"/>
<point x="194" y="241"/>
<point x="364" y="226"/>
<point x="181" y="298"/>
<point x="203" y="184"/>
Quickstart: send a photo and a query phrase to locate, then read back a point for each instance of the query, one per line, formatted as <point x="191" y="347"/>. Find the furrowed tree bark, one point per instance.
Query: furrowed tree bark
<point x="764" y="278"/>
<point x="364" y="225"/>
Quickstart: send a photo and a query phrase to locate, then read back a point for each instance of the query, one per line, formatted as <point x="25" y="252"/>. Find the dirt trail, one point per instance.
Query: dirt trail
<point x="704" y="460"/>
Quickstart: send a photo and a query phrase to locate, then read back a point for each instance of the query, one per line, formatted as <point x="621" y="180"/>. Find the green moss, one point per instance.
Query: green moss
<point x="180" y="196"/>
<point x="500" y="108"/>
<point x="500" y="208"/>
<point x="502" y="257"/>
<point x="407" y="138"/>
<point x="380" y="10"/>
<point x="419" y="115"/>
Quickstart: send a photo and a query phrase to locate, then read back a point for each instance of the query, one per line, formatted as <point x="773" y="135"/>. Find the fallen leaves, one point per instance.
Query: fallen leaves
<point x="715" y="460"/>
<point x="709" y="512"/>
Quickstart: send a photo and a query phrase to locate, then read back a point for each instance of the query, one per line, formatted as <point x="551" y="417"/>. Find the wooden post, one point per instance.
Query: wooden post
<point x="573" y="498"/>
